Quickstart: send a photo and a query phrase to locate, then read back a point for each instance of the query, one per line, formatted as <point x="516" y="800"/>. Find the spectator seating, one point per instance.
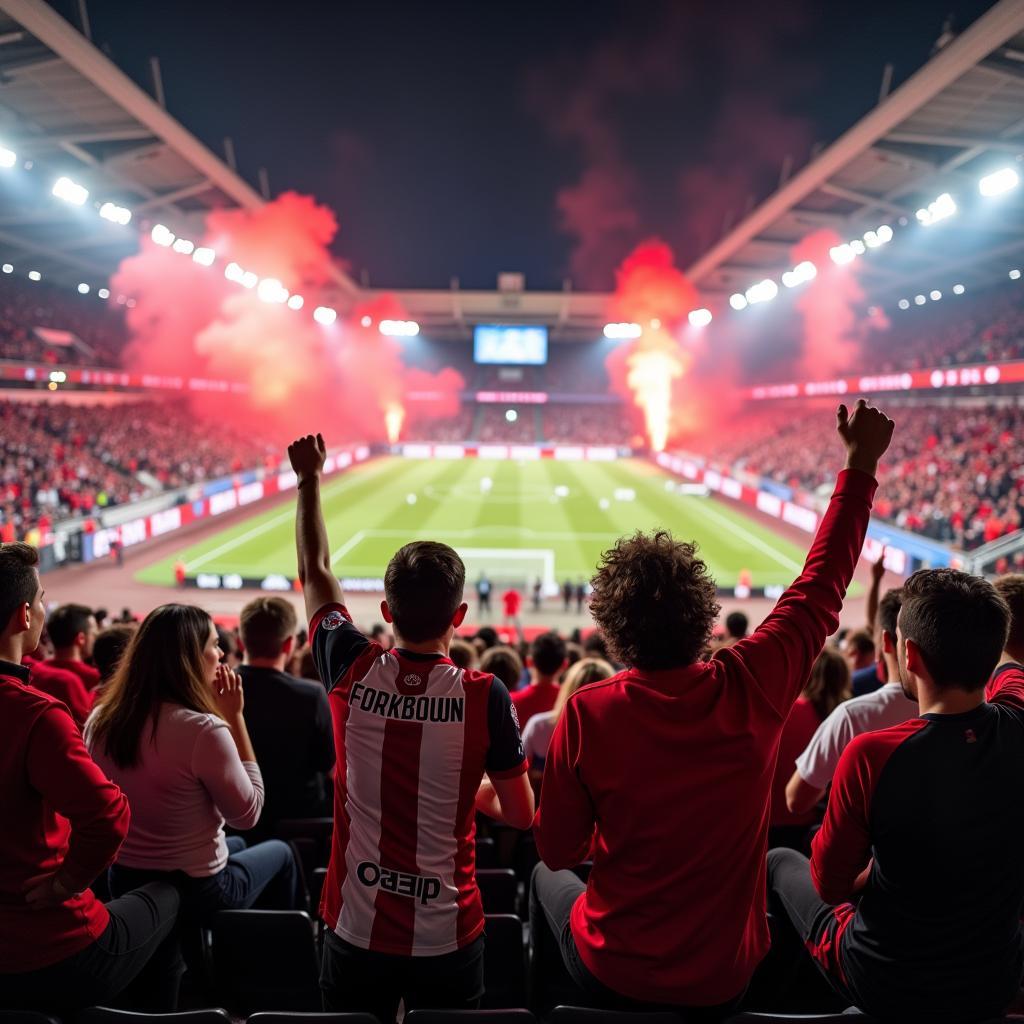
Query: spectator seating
<point x="284" y="1017"/>
<point x="504" y="962"/>
<point x="484" y="1016"/>
<point x="105" y="1015"/>
<point x="499" y="888"/>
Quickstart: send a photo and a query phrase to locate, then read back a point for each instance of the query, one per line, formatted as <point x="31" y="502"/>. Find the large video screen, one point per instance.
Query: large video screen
<point x="509" y="344"/>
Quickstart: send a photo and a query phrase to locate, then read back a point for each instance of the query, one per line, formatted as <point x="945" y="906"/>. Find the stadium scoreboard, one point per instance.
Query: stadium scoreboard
<point x="510" y="344"/>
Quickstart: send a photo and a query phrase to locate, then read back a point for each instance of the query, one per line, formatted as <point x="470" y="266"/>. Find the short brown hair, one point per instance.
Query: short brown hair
<point x="423" y="585"/>
<point x="960" y="624"/>
<point x="861" y="641"/>
<point x="110" y="645"/>
<point x="1011" y="589"/>
<point x="503" y="661"/>
<point x="265" y="625"/>
<point x="18" y="581"/>
<point x="654" y="601"/>
<point x="462" y="653"/>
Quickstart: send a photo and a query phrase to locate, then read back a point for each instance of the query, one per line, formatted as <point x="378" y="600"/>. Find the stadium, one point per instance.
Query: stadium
<point x="170" y="324"/>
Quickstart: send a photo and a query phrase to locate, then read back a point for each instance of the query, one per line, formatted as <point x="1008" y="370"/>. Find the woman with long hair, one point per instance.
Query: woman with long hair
<point x="826" y="688"/>
<point x="169" y="729"/>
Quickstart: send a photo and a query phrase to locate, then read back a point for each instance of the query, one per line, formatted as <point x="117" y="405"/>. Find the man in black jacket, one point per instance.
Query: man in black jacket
<point x="289" y="719"/>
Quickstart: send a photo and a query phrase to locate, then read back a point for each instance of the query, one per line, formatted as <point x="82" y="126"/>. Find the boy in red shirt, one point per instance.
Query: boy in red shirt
<point x="664" y="771"/>
<point x="547" y="655"/>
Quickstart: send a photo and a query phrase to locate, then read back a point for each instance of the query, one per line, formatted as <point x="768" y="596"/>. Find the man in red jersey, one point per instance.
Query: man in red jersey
<point x="663" y="772"/>
<point x="414" y="736"/>
<point x="63" y="823"/>
<point x="513" y="601"/>
<point x="547" y="658"/>
<point x="72" y="629"/>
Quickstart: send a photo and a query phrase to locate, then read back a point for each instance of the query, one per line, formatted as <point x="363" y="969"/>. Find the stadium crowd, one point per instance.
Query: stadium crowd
<point x="155" y="774"/>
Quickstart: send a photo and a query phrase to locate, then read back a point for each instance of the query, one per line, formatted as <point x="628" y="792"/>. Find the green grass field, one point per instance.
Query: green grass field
<point x="518" y="528"/>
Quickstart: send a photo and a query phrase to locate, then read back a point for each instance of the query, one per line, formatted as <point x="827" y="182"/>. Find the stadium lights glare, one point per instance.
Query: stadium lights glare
<point x="115" y="214"/>
<point x="162" y="235"/>
<point x="296" y="302"/>
<point x="271" y="290"/>
<point x="958" y="289"/>
<point x="805" y="271"/>
<point x="938" y="209"/>
<point x="70" y="191"/>
<point x="83" y="289"/>
<point x="58" y="376"/>
<point x="203" y="256"/>
<point x="399" y="328"/>
<point x="184" y="246"/>
<point x="7" y="268"/>
<point x="325" y="315"/>
<point x="1015" y="274"/>
<point x="738" y="301"/>
<point x="904" y="304"/>
<point x="104" y="293"/>
<point x="34" y="275"/>
<point x="249" y="279"/>
<point x="858" y="247"/>
<point x="842" y="254"/>
<point x="919" y="300"/>
<point x="8" y="158"/>
<point x="367" y="321"/>
<point x="233" y="272"/>
<point x="935" y="295"/>
<point x="699" y="317"/>
<point x="614" y="331"/>
<point x="884" y="233"/>
<point x="763" y="291"/>
<point x="998" y="182"/>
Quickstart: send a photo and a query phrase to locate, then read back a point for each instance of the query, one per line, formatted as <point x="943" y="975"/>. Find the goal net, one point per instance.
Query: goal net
<point x="519" y="567"/>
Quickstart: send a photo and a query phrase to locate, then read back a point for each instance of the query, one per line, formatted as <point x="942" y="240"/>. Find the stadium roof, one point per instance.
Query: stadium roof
<point x="70" y="110"/>
<point x="954" y="120"/>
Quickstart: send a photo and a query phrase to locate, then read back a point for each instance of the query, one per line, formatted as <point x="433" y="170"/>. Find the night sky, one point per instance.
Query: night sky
<point x="462" y="139"/>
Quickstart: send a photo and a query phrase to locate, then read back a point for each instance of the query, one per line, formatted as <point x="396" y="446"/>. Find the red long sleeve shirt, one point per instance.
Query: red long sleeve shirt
<point x="64" y="685"/>
<point x="670" y="773"/>
<point x="58" y="811"/>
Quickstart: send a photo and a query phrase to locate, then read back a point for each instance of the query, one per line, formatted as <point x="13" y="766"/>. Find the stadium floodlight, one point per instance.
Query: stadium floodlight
<point x="998" y="182"/>
<point x="296" y="302"/>
<point x="184" y="246"/>
<point x="958" y="289"/>
<point x="616" y="332"/>
<point x="842" y="254"/>
<point x="204" y="256"/>
<point x="8" y="268"/>
<point x="738" y="301"/>
<point x="8" y="158"/>
<point x="104" y="293"/>
<point x="233" y="272"/>
<point x="801" y="273"/>
<point x="271" y="290"/>
<point x="871" y="239"/>
<point x="919" y="300"/>
<point x="399" y="328"/>
<point x="115" y="214"/>
<point x="83" y="289"/>
<point x="938" y="209"/>
<point x="699" y="317"/>
<point x="511" y="415"/>
<point x="858" y="247"/>
<point x="763" y="291"/>
<point x="367" y="321"/>
<point x="34" y="275"/>
<point x="249" y="279"/>
<point x="162" y="235"/>
<point x="935" y="295"/>
<point x="70" y="191"/>
<point x="1015" y="274"/>
<point x="883" y="233"/>
<point x="325" y="315"/>
<point x="904" y="304"/>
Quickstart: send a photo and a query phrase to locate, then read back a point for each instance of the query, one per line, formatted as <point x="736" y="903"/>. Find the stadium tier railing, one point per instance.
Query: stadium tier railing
<point x="515" y="452"/>
<point x="904" y="551"/>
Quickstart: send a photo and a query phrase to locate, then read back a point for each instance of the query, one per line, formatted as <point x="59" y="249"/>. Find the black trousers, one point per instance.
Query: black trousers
<point x="552" y="895"/>
<point x="354" y="980"/>
<point x="141" y="922"/>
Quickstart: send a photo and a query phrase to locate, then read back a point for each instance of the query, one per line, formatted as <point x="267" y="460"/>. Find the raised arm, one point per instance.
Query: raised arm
<point x="777" y="657"/>
<point x="319" y="584"/>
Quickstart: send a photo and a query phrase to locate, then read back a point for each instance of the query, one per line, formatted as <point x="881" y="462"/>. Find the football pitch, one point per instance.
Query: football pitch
<point x="518" y="521"/>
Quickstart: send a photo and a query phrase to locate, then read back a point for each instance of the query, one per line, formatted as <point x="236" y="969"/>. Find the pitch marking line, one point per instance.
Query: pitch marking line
<point x="750" y="538"/>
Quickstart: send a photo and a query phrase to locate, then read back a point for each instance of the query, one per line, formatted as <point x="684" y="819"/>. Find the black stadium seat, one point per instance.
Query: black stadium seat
<point x="504" y="962"/>
<point x="312" y="1018"/>
<point x="486" y="852"/>
<point x="26" y="1017"/>
<point x="470" y="1017"/>
<point x="105" y="1015"/>
<point x="316" y="888"/>
<point x="265" y="960"/>
<point x="498" y="890"/>
<point x="585" y="1015"/>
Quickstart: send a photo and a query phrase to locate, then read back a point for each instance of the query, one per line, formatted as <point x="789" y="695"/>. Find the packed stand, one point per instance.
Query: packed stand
<point x="667" y="752"/>
<point x="588" y="424"/>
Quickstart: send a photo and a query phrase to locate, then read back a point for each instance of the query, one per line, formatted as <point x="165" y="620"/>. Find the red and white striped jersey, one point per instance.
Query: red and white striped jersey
<point x="414" y="735"/>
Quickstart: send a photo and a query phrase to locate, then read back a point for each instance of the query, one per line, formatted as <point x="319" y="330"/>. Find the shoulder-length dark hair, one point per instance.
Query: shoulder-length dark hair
<point x="829" y="683"/>
<point x="163" y="664"/>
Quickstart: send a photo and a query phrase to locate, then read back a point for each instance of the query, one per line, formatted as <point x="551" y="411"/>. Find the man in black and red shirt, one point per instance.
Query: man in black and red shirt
<point x="663" y="773"/>
<point x="911" y="901"/>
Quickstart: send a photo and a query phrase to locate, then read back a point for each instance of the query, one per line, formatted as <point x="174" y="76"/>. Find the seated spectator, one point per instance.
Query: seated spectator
<point x="1011" y="589"/>
<point x="547" y="656"/>
<point x="72" y="629"/>
<point x="573" y="653"/>
<point x="665" y="770"/>
<point x="911" y="901"/>
<point x="227" y="640"/>
<point x="858" y="648"/>
<point x="380" y="634"/>
<point x="737" y="626"/>
<point x="415" y="736"/>
<point x="537" y="735"/>
<point x="289" y="719"/>
<point x="63" y="821"/>
<point x="827" y="687"/>
<point x="595" y="647"/>
<point x="170" y="730"/>
<point x="61" y="684"/>
<point x="505" y="664"/>
<point x="109" y="646"/>
<point x="463" y="653"/>
<point x="880" y="709"/>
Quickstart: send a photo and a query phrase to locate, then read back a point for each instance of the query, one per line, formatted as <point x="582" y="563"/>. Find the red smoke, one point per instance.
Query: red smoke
<point x="344" y="379"/>
<point x="834" y="326"/>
